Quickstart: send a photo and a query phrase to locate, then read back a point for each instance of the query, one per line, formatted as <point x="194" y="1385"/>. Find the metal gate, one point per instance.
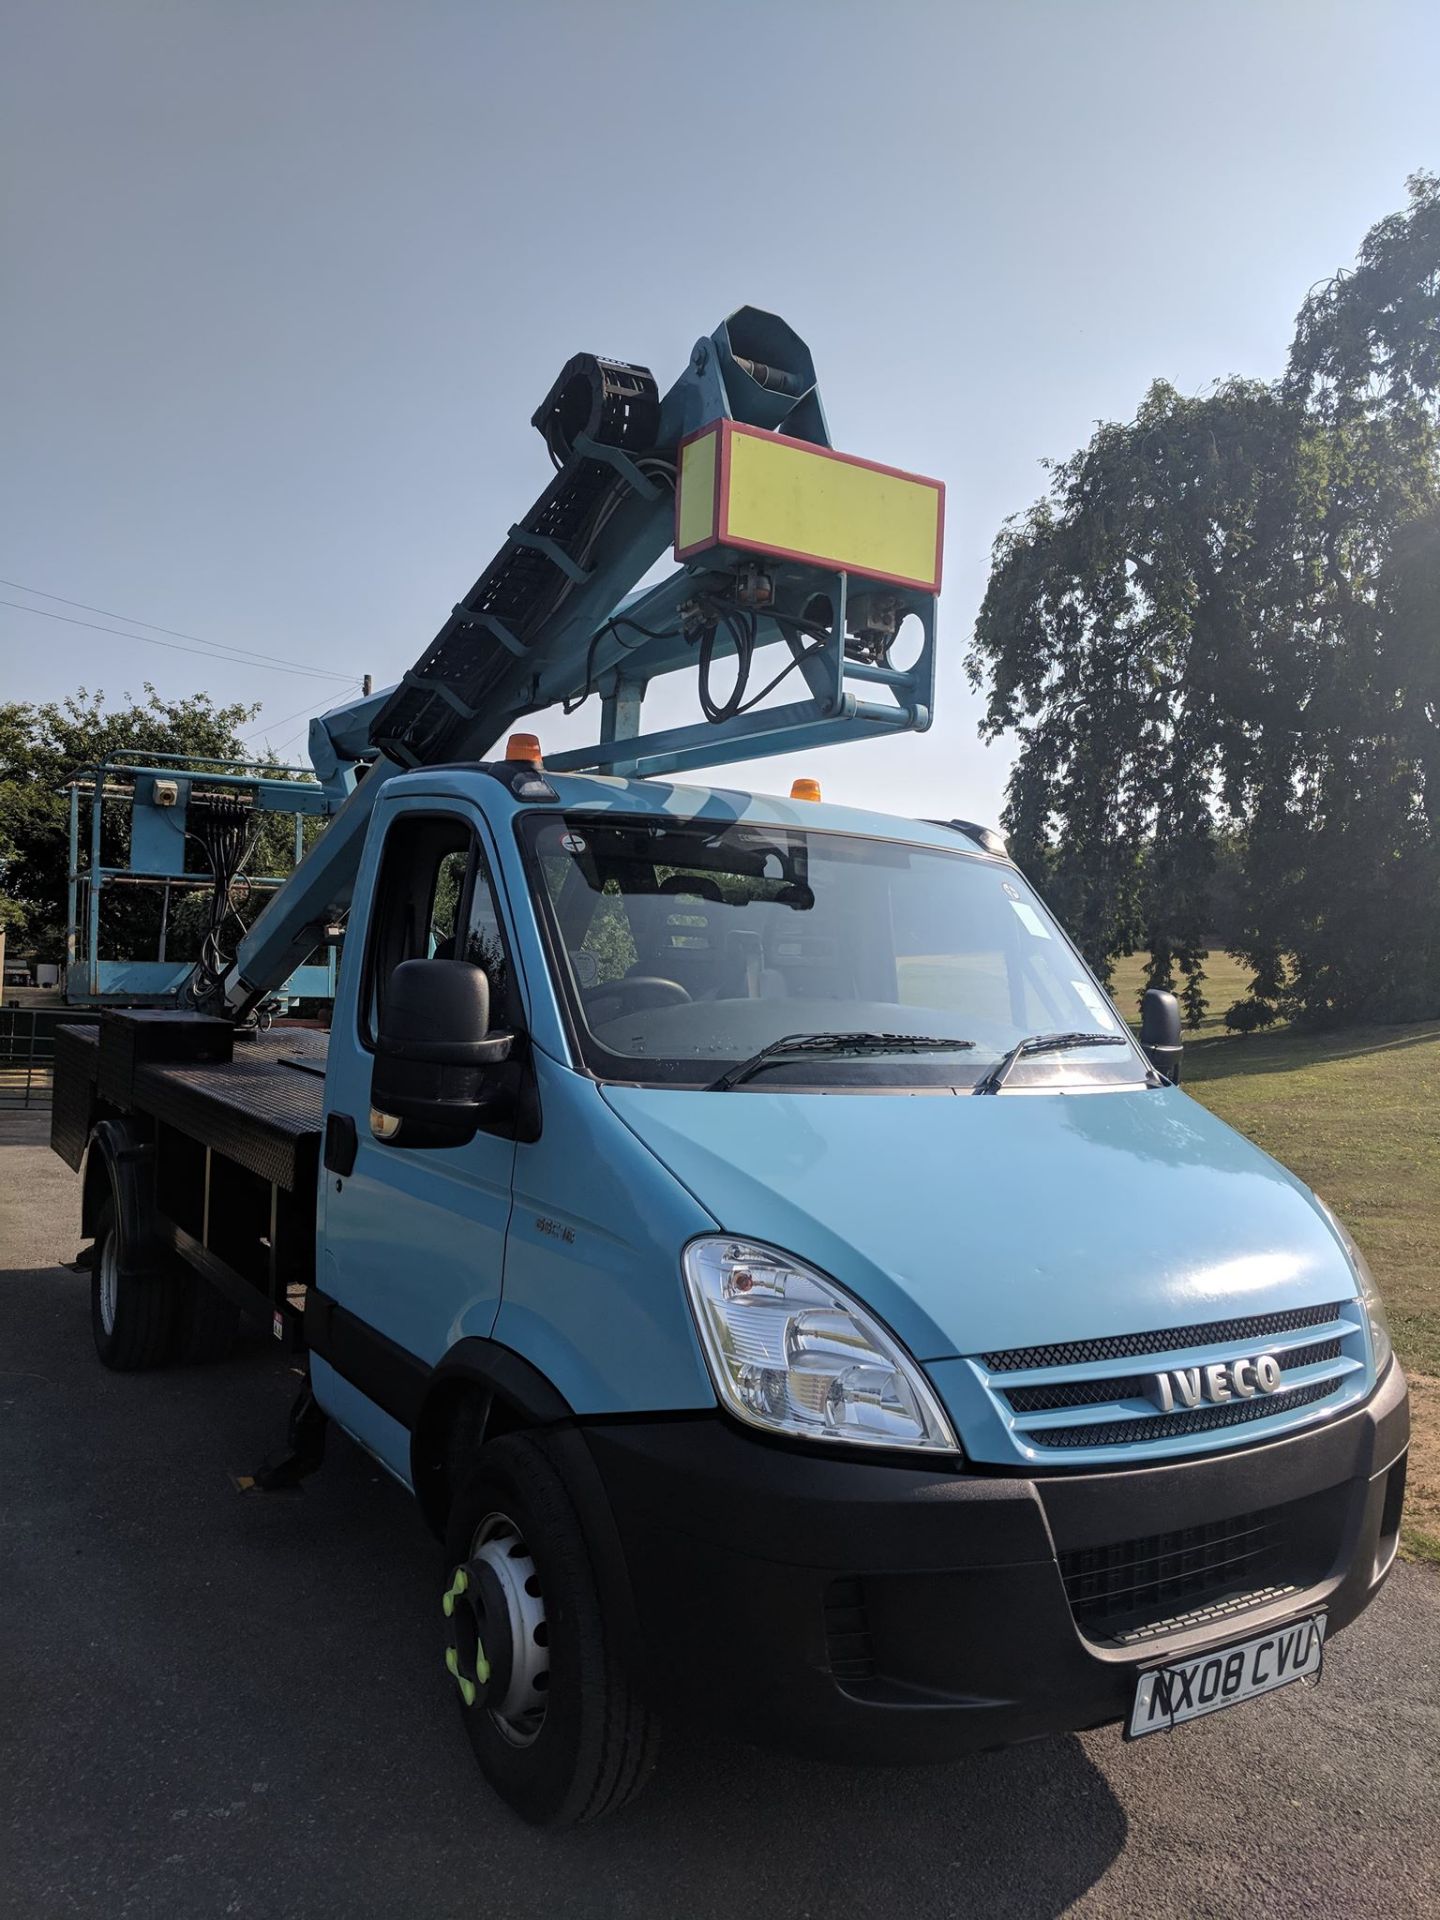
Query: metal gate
<point x="27" y="1053"/>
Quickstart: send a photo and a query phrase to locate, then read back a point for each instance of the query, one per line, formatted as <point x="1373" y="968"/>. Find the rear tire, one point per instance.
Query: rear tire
<point x="132" y="1309"/>
<point x="558" y="1726"/>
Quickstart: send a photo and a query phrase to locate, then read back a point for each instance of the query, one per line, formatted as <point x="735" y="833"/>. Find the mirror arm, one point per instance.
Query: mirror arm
<point x="1162" y="1038"/>
<point x="1165" y="1061"/>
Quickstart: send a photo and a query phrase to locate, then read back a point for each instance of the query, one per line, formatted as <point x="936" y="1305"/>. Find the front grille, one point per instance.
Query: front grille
<point x="849" y="1650"/>
<point x="1163" y="1583"/>
<point x="1070" y="1402"/>
<point x="1165" y="1426"/>
<point x="1127" y="1346"/>
<point x="1134" y="1386"/>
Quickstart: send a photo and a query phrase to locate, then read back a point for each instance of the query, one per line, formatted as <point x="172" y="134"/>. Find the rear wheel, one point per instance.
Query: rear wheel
<point x="132" y="1309"/>
<point x="556" y="1723"/>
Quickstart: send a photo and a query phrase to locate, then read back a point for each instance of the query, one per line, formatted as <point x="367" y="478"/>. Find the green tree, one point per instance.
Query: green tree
<point x="1366" y="363"/>
<point x="1217" y="634"/>
<point x="1137" y="624"/>
<point x="1367" y="342"/>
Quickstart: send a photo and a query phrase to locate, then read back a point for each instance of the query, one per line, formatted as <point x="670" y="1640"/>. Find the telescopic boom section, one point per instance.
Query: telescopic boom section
<point x="783" y="543"/>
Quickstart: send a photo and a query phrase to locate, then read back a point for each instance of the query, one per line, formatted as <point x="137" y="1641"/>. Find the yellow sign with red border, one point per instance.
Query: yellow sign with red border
<point x="757" y="492"/>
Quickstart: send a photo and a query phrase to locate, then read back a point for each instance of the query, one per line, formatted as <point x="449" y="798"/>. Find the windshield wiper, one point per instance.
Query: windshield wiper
<point x="834" y="1043"/>
<point x="1042" y="1043"/>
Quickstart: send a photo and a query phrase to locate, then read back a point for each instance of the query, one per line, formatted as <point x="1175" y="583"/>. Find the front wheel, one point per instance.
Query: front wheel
<point x="558" y="1726"/>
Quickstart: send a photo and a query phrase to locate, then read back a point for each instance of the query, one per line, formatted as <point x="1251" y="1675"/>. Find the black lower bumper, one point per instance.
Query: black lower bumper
<point x="883" y="1613"/>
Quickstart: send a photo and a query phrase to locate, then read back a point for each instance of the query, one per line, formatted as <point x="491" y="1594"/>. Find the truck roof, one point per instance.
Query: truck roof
<point x="605" y="793"/>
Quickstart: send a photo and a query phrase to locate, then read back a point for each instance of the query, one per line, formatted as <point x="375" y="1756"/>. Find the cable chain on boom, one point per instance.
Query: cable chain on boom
<point x="595" y="404"/>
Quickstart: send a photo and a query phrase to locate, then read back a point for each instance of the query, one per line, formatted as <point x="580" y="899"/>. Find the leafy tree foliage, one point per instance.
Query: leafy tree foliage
<point x="1367" y="343"/>
<point x="1218" y="640"/>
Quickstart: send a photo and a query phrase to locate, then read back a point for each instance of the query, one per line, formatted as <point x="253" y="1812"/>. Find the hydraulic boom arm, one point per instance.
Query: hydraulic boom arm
<point x="783" y="544"/>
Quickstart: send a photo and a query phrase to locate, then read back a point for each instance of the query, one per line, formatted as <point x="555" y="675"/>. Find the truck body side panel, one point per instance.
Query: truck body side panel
<point x="593" y="1293"/>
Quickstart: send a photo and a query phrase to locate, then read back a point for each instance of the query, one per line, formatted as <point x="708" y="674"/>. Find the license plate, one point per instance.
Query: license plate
<point x="1168" y="1696"/>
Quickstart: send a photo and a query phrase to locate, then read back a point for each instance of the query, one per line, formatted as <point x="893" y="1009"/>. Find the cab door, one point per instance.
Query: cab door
<point x="413" y="1238"/>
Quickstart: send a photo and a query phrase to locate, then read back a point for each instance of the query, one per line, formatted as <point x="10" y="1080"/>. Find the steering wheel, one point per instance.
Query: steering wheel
<point x="698" y="886"/>
<point x="640" y="991"/>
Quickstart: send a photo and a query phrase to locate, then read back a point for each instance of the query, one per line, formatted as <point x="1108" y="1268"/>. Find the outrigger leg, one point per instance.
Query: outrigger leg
<point x="304" y="1449"/>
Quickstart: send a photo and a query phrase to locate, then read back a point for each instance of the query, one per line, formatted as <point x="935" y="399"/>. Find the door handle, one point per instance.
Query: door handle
<point x="341" y="1143"/>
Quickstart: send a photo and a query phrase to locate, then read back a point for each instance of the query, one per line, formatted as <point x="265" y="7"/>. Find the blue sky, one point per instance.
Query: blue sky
<point x="283" y="283"/>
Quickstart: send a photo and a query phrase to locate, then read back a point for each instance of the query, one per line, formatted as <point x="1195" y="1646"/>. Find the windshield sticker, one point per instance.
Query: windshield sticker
<point x="1030" y="920"/>
<point x="1014" y="892"/>
<point x="573" y="842"/>
<point x="1095" y="1004"/>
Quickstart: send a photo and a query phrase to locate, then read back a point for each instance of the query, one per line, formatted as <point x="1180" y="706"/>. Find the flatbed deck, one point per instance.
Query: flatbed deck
<point x="263" y="1109"/>
<point x="222" y="1134"/>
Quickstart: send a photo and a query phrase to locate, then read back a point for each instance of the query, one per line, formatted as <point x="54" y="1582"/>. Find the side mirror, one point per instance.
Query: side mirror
<point x="435" y="1057"/>
<point x="1160" y="1033"/>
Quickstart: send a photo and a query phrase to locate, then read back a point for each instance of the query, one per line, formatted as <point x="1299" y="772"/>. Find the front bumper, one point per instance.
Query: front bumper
<point x="866" y="1612"/>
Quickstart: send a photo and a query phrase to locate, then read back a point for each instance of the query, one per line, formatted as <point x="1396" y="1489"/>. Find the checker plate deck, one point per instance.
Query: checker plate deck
<point x="257" y="1109"/>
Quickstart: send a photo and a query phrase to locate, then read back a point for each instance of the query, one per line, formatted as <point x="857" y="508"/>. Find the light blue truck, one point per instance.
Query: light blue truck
<point x="795" y="1299"/>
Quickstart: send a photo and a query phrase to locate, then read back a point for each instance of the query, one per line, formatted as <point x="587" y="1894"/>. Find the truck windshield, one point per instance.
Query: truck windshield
<point x="684" y="947"/>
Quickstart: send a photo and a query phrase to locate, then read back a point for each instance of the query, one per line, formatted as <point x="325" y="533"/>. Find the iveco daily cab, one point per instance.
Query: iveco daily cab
<point x="776" y="1338"/>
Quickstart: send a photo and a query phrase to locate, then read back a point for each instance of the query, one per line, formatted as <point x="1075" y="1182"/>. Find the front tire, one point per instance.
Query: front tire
<point x="132" y="1310"/>
<point x="557" y="1725"/>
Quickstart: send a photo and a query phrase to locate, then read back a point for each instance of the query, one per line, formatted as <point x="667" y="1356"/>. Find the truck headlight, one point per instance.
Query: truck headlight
<point x="1374" y="1307"/>
<point x="792" y="1352"/>
<point x="1380" y="1339"/>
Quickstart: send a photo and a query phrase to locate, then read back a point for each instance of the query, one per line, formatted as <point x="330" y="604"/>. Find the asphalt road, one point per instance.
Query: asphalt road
<point x="221" y="1703"/>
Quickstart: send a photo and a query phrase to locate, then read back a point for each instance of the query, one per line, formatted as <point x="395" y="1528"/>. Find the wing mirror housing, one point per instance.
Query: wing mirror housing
<point x="1160" y="1033"/>
<point x="439" y="1072"/>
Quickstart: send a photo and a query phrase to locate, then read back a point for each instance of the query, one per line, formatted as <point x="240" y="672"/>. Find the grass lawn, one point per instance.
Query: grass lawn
<point x="1356" y="1115"/>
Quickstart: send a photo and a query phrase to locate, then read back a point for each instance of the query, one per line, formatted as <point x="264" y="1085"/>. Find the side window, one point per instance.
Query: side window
<point x="433" y="900"/>
<point x="445" y="907"/>
<point x="485" y="943"/>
